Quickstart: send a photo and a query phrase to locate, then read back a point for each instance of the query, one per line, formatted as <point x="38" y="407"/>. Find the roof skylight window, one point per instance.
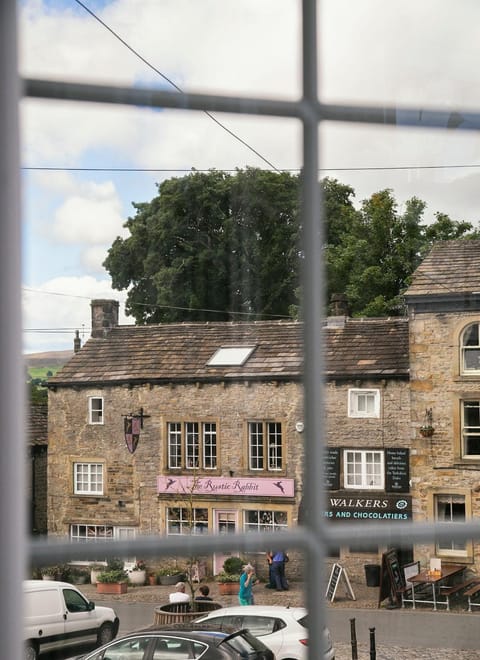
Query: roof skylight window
<point x="231" y="356"/>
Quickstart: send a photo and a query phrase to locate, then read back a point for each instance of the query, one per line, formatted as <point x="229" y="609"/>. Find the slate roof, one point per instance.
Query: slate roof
<point x="368" y="347"/>
<point x="179" y="352"/>
<point x="451" y="267"/>
<point x="37" y="424"/>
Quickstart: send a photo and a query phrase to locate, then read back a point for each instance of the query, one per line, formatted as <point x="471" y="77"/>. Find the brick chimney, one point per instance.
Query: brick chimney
<point x="104" y="317"/>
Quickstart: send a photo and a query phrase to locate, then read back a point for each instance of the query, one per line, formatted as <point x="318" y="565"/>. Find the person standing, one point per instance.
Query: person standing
<point x="247" y="580"/>
<point x="279" y="559"/>
<point x="271" y="582"/>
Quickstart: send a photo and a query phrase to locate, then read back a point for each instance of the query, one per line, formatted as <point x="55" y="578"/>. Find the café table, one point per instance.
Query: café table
<point x="434" y="579"/>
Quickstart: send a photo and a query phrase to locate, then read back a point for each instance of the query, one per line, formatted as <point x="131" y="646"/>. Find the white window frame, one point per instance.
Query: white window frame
<point x="187" y="443"/>
<point x="267" y="520"/>
<point x="469" y="431"/>
<point x="467" y="350"/>
<point x="358" y="403"/>
<point x="87" y="472"/>
<point x="450" y="499"/>
<point x="265" y="446"/>
<point x="95" y="414"/>
<point x="197" y="525"/>
<point x="363" y="460"/>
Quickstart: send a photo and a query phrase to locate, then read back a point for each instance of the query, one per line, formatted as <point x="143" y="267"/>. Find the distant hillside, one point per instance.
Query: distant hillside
<point x="48" y="359"/>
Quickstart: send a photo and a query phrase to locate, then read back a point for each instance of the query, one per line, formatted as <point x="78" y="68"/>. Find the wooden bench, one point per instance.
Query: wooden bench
<point x="473" y="591"/>
<point x="458" y="588"/>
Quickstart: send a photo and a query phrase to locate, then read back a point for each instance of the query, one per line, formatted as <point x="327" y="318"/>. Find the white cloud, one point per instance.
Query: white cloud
<point x="91" y="217"/>
<point x="408" y="54"/>
<point x="56" y="308"/>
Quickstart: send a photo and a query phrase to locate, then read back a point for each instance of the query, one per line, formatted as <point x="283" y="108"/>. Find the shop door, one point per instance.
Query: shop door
<point x="226" y="522"/>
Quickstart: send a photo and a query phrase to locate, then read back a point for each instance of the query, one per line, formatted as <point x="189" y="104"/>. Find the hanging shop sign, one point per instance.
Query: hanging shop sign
<point x="361" y="505"/>
<point x="225" y="486"/>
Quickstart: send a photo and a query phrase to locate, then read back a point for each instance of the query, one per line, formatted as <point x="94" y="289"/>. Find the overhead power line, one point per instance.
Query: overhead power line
<point x="173" y="84"/>
<point x="365" y="168"/>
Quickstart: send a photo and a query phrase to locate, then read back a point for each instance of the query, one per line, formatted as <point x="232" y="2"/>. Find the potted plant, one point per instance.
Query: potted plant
<point x="229" y="579"/>
<point x="78" y="575"/>
<point x="170" y="574"/>
<point x="113" y="580"/>
<point x="50" y="572"/>
<point x="427" y="430"/>
<point x="152" y="579"/>
<point x="95" y="570"/>
<point x="137" y="575"/>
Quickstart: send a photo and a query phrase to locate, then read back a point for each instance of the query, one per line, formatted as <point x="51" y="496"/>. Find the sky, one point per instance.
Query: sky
<point x="403" y="54"/>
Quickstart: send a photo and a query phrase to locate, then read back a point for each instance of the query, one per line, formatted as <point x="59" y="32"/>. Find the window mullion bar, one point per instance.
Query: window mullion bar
<point x="313" y="280"/>
<point x="12" y="400"/>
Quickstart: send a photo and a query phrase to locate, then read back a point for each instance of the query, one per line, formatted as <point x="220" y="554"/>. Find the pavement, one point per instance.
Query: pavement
<point x="400" y="634"/>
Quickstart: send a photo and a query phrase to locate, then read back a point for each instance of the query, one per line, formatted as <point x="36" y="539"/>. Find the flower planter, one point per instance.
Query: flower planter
<point x="228" y="588"/>
<point x="152" y="580"/>
<point x="171" y="579"/>
<point x="137" y="577"/>
<point x="111" y="587"/>
<point x="426" y="432"/>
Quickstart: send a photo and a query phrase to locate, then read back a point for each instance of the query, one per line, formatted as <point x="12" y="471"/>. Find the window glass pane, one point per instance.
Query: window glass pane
<point x="451" y="508"/>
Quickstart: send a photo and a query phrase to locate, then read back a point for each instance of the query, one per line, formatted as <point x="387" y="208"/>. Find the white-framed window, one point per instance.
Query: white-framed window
<point x="363" y="402"/>
<point x="363" y="469"/>
<point x="186" y="520"/>
<point x="470" y="349"/>
<point x="88" y="478"/>
<point x="450" y="508"/>
<point x="91" y="532"/>
<point x="471" y="429"/>
<point x="262" y="520"/>
<point x="95" y="410"/>
<point x="265" y="448"/>
<point x="192" y="445"/>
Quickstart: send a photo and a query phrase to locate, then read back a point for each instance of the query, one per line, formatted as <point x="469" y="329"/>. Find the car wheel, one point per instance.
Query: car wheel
<point x="31" y="651"/>
<point x="105" y="634"/>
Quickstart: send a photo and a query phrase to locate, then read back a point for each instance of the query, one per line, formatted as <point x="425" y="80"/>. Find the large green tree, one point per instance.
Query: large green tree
<point x="219" y="246"/>
<point x="211" y="241"/>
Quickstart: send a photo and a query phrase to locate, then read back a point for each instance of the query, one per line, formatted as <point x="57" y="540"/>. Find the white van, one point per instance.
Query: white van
<point x="57" y="614"/>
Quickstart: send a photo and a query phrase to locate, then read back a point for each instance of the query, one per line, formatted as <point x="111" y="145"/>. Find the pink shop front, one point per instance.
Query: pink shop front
<point x="224" y="505"/>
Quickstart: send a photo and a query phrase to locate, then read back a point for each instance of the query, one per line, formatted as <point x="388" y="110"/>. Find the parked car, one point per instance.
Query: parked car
<point x="57" y="614"/>
<point x="182" y="642"/>
<point x="282" y="629"/>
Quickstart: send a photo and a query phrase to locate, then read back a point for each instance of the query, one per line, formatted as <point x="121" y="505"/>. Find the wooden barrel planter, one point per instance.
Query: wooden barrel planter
<point x="182" y="612"/>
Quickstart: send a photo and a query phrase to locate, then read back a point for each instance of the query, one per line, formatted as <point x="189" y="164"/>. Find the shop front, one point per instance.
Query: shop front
<point x="225" y="505"/>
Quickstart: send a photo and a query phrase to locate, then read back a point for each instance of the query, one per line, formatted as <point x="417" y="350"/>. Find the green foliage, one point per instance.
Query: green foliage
<point x="233" y="565"/>
<point x="224" y="577"/>
<point x="231" y="242"/>
<point x="211" y="241"/>
<point x="114" y="572"/>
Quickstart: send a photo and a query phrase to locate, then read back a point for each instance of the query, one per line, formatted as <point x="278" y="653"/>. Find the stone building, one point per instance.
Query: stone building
<point x="155" y="429"/>
<point x="367" y="406"/>
<point x="444" y="320"/>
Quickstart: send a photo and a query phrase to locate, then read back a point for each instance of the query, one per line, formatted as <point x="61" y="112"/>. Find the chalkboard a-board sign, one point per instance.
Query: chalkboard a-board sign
<point x="336" y="574"/>
<point x="397" y="470"/>
<point x="392" y="579"/>
<point x="332" y="468"/>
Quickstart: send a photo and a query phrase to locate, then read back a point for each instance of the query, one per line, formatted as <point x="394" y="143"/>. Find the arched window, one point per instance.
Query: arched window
<point x="470" y="349"/>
